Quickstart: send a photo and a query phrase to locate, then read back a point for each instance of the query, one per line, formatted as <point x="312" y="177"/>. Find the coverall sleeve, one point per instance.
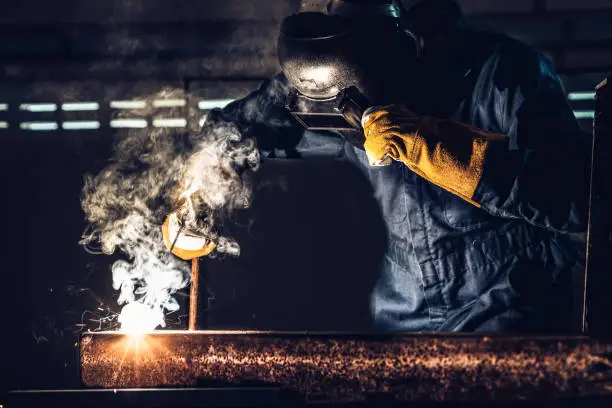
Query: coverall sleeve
<point x="262" y="116"/>
<point x="542" y="173"/>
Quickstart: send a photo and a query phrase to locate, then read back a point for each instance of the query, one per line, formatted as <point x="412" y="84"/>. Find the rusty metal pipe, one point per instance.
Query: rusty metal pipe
<point x="346" y="367"/>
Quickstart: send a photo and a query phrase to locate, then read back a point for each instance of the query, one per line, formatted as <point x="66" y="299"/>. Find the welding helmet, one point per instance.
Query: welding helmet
<point x="345" y="58"/>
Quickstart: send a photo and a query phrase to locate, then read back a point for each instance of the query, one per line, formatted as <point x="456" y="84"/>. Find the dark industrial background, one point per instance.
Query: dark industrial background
<point x="308" y="257"/>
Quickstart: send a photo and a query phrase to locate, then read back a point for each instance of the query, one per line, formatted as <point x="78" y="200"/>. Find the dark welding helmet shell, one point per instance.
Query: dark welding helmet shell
<point x="323" y="54"/>
<point x="315" y="54"/>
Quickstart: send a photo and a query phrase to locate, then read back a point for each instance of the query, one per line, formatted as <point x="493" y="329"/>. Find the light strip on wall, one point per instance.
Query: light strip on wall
<point x="584" y="114"/>
<point x="128" y="123"/>
<point x="80" y="106"/>
<point x="208" y="104"/>
<point x="3" y="106"/>
<point x="4" y="125"/>
<point x="169" y="103"/>
<point x="128" y="104"/>
<point x="38" y="125"/>
<point x="169" y="122"/>
<point x="38" y="107"/>
<point x="581" y="96"/>
<point x="80" y="124"/>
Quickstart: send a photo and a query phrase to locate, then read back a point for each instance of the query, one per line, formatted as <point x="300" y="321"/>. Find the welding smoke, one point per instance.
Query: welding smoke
<point x="203" y="175"/>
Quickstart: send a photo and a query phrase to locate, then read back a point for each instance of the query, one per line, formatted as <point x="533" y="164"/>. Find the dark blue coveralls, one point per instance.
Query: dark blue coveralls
<point x="451" y="266"/>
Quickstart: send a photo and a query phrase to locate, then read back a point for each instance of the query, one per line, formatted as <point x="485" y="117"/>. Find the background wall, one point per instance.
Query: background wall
<point x="575" y="35"/>
<point x="307" y="255"/>
<point x="161" y="41"/>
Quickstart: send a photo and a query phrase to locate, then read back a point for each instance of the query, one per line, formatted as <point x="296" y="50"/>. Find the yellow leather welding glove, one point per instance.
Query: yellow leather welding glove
<point x="446" y="153"/>
<point x="186" y="246"/>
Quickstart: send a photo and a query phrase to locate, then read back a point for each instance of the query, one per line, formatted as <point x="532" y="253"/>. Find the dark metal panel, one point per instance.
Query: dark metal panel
<point x="496" y="7"/>
<point x="578" y="5"/>
<point x="162" y="40"/>
<point x="20" y="12"/>
<point x="598" y="281"/>
<point x="193" y="397"/>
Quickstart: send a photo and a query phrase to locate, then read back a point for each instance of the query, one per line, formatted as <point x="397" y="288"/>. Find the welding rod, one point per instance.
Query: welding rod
<point x="193" y="295"/>
<point x="177" y="237"/>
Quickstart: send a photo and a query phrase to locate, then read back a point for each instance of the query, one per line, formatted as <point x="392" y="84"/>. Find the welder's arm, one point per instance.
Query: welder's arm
<point x="538" y="171"/>
<point x="262" y="116"/>
<point x="542" y="175"/>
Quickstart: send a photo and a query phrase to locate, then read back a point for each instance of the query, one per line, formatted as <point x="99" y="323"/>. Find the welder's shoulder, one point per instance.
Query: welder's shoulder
<point x="515" y="63"/>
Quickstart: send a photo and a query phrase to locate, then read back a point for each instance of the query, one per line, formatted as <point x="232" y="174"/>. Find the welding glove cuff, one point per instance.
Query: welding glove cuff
<point x="186" y="246"/>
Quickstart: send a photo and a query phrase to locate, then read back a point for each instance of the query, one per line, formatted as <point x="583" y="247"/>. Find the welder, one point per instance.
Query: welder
<point x="472" y="150"/>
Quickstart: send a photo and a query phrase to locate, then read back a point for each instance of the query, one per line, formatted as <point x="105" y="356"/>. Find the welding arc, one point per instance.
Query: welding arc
<point x="193" y="294"/>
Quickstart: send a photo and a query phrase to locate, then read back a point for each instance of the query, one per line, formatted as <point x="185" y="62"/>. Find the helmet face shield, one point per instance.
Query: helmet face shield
<point x="342" y="113"/>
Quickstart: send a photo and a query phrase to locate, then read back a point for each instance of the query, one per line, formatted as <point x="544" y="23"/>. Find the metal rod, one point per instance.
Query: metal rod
<point x="193" y="295"/>
<point x="177" y="237"/>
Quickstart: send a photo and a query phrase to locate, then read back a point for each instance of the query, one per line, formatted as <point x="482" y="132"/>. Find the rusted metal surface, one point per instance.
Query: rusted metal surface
<point x="352" y="367"/>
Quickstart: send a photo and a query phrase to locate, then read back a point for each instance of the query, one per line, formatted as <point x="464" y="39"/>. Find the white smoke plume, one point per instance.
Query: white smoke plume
<point x="152" y="173"/>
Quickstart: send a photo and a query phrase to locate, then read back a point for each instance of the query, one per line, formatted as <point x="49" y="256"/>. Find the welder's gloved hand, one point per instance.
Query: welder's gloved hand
<point x="187" y="245"/>
<point x="448" y="154"/>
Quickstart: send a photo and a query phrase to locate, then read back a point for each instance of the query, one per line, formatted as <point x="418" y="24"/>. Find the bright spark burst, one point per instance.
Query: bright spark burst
<point x="136" y="351"/>
<point x="137" y="319"/>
